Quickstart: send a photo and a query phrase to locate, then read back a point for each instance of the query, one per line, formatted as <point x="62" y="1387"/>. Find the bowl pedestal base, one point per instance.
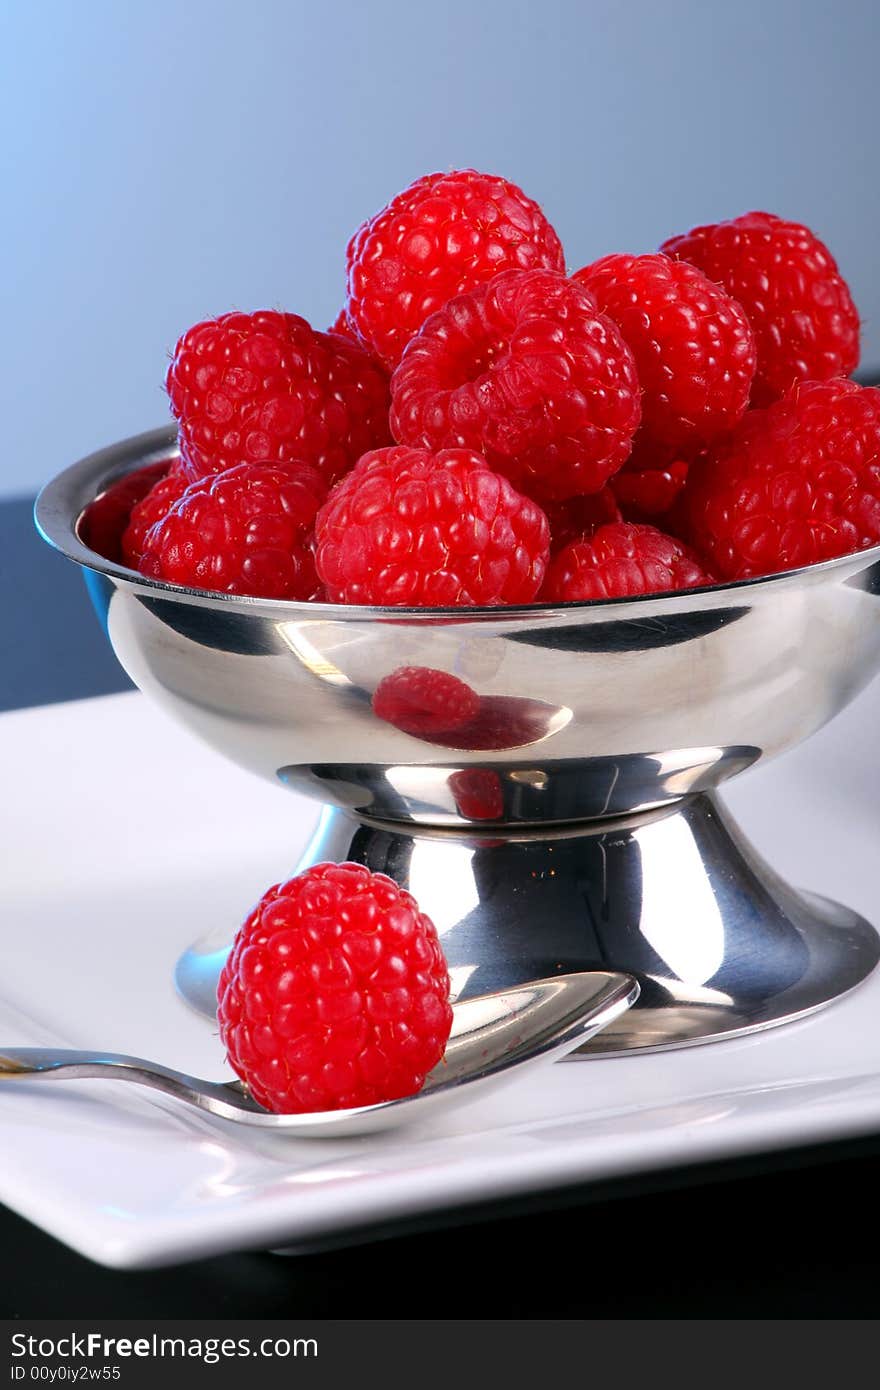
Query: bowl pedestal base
<point x="720" y="944"/>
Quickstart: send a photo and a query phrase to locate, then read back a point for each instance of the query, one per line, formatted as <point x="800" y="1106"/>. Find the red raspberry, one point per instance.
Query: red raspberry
<point x="794" y="484"/>
<point x="335" y="994"/>
<point x="578" y="517"/>
<point x="442" y="236"/>
<point x="650" y="481"/>
<point x="650" y="492"/>
<point x="104" y="520"/>
<point x="527" y="371"/>
<point x="407" y="527"/>
<point x="800" y="308"/>
<point x="621" y="560"/>
<point x="267" y="388"/>
<point x="342" y="327"/>
<point x="245" y="531"/>
<point x="694" y="349"/>
<point x="152" y="508"/>
<point x="424" y="702"/>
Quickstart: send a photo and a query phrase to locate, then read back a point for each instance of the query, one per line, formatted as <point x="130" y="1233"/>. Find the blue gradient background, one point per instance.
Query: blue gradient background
<point x="163" y="161"/>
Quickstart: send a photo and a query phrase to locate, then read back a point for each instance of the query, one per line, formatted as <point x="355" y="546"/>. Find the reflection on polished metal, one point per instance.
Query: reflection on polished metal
<point x="493" y="1038"/>
<point x="587" y="713"/>
<point x="677" y="898"/>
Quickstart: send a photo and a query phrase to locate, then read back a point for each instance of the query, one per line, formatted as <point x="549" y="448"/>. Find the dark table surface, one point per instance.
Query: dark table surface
<point x="781" y="1236"/>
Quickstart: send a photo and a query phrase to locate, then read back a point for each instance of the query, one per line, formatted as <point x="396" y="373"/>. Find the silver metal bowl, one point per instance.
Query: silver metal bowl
<point x="564" y="826"/>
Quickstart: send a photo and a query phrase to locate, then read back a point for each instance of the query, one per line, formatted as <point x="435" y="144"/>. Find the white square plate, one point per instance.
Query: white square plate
<point x="123" y="839"/>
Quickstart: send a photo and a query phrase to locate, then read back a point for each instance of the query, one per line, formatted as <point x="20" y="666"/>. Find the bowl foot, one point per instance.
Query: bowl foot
<point x="720" y="944"/>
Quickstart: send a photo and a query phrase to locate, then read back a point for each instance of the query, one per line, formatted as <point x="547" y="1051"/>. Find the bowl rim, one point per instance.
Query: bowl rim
<point x="59" y="507"/>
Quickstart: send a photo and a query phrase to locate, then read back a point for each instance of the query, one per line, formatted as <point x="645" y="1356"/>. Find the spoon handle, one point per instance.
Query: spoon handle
<point x="49" y="1064"/>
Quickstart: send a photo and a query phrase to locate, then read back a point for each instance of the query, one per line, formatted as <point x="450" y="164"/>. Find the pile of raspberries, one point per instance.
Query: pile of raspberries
<point x="481" y="427"/>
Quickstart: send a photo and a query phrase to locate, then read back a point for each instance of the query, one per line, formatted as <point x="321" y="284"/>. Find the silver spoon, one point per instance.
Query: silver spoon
<point x="493" y="1037"/>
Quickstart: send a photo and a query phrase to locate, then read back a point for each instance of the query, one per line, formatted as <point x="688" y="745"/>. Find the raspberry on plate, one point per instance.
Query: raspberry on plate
<point x="408" y="527"/>
<point x="621" y="560"/>
<point x="800" y="308"/>
<point x="526" y="370"/>
<point x="267" y="388"/>
<point x="794" y="484"/>
<point x="104" y="520"/>
<point x="245" y="531"/>
<point x="335" y="994"/>
<point x="150" y="509"/>
<point x="694" y="349"/>
<point x="442" y="236"/>
<point x="422" y="701"/>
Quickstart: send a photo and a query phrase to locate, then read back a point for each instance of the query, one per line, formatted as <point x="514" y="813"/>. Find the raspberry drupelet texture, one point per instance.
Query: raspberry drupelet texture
<point x="245" y="531"/>
<point x="694" y="350"/>
<point x="794" y="484"/>
<point x="341" y="326"/>
<point x="800" y="308"/>
<point x="335" y="994"/>
<point x="267" y="388"/>
<point x="526" y="370"/>
<point x="644" y="494"/>
<point x="425" y="702"/>
<point x="408" y="527"/>
<point x="152" y="508"/>
<point x="621" y="560"/>
<point x="442" y="236"/>
<point x="650" y="480"/>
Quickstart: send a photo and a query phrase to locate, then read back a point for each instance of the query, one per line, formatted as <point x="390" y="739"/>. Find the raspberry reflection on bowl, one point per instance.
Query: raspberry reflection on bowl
<point x="443" y="710"/>
<point x="478" y="793"/>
